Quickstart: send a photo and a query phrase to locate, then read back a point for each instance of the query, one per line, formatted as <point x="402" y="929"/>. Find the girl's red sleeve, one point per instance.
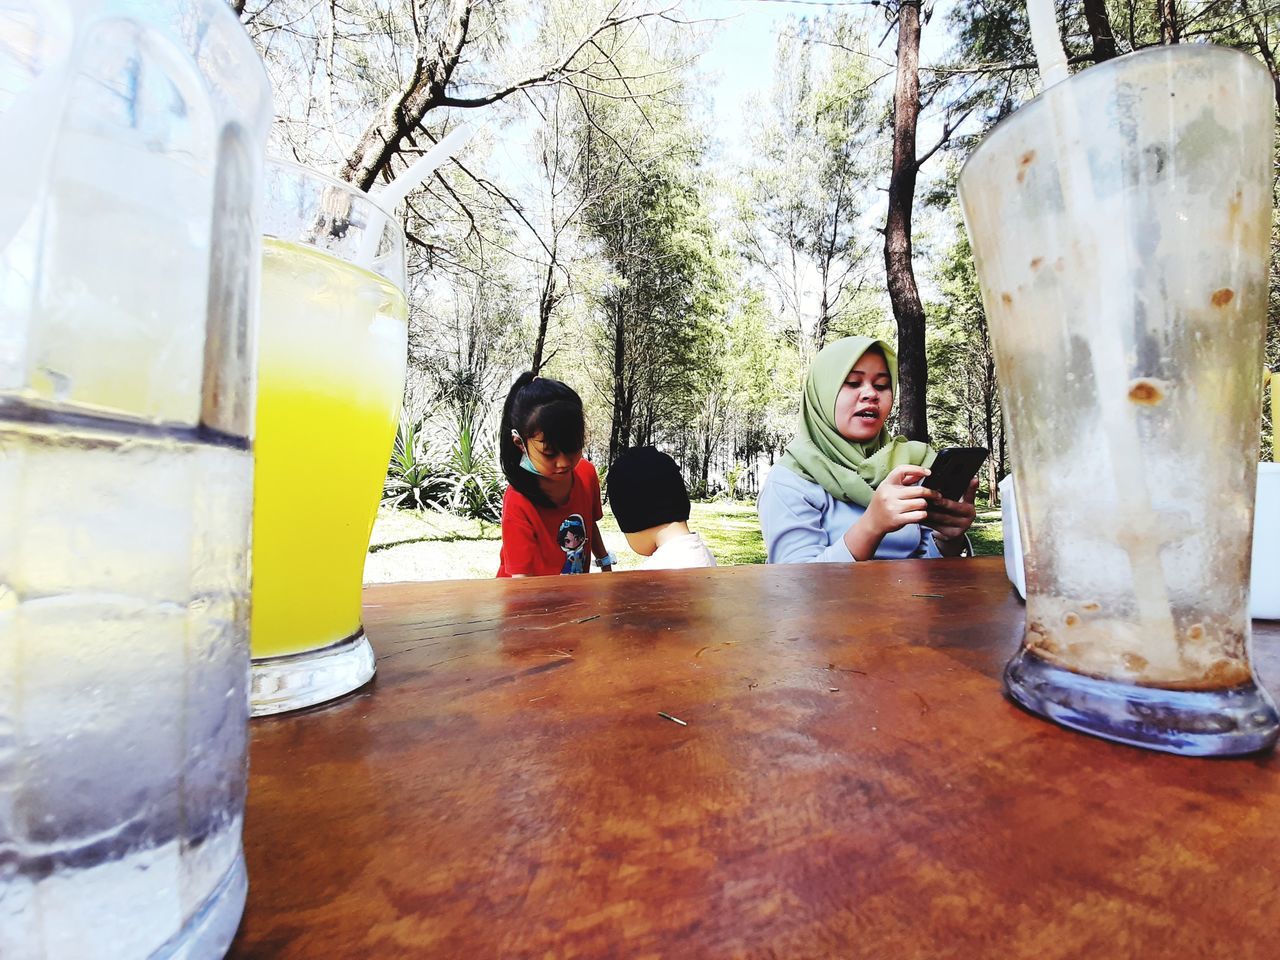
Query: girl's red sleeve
<point x="597" y="508"/>
<point x="519" y="550"/>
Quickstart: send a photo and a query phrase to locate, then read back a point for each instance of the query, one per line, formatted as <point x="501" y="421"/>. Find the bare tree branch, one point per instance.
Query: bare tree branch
<point x="552" y="74"/>
<point x="948" y="128"/>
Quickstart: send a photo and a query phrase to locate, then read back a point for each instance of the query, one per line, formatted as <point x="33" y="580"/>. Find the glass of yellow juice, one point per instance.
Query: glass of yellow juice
<point x="331" y="371"/>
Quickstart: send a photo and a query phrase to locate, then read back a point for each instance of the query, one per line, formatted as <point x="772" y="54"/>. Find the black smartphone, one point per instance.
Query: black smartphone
<point x="953" y="469"/>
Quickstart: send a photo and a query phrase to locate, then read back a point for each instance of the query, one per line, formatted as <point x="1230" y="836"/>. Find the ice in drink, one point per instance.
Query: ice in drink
<point x="123" y="687"/>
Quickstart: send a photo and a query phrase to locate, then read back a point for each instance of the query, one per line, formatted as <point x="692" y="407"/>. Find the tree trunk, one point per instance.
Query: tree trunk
<point x="642" y="435"/>
<point x="823" y="326"/>
<point x="1104" y="42"/>
<point x="619" y="435"/>
<point x="424" y="89"/>
<point x="547" y="300"/>
<point x="989" y="425"/>
<point x="706" y="464"/>
<point x="430" y="74"/>
<point x="1003" y="457"/>
<point x="1168" y="15"/>
<point x="904" y="295"/>
<point x="824" y="321"/>
<point x="968" y="416"/>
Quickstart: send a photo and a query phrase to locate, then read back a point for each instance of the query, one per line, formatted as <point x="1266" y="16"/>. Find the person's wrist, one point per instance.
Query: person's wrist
<point x="863" y="538"/>
<point x="608" y="560"/>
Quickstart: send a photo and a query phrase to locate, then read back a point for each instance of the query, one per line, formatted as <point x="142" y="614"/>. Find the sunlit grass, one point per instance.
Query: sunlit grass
<point x="987" y="534"/>
<point x="421" y="545"/>
<point x="731" y="529"/>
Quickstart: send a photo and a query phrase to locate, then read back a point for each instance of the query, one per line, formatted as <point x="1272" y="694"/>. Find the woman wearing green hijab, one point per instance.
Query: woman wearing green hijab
<point x="845" y="490"/>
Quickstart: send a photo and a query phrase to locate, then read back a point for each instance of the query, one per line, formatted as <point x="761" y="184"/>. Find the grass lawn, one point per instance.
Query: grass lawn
<point x="413" y="545"/>
<point x="987" y="534"/>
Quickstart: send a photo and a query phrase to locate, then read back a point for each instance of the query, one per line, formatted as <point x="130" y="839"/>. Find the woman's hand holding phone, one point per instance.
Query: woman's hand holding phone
<point x="899" y="500"/>
<point x="951" y="519"/>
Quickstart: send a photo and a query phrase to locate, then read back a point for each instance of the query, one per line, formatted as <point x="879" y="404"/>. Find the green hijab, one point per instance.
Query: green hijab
<point x="848" y="471"/>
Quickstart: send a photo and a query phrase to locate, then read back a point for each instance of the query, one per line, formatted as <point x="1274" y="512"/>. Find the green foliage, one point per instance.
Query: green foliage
<point x="450" y="475"/>
<point x="815" y="150"/>
<point x="682" y="303"/>
<point x="656" y="326"/>
<point x="964" y="398"/>
<point x="475" y="486"/>
<point x="750" y="406"/>
<point x="992" y="65"/>
<point x="731" y="478"/>
<point x="413" y="480"/>
<point x="958" y="347"/>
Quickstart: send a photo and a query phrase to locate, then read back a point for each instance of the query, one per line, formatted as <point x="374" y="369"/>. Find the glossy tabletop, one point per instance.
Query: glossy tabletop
<point x="848" y="781"/>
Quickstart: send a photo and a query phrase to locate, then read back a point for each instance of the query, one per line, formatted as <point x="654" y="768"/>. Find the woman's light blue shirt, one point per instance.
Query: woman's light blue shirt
<point x="804" y="524"/>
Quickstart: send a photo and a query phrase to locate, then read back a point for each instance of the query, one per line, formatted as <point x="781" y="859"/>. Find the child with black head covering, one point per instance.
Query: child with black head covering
<point x="650" y="502"/>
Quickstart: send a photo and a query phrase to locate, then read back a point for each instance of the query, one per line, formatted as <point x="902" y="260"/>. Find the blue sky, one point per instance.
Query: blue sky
<point x="740" y="54"/>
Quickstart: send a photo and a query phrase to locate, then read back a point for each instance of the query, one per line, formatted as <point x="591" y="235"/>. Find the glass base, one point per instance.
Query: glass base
<point x="209" y="932"/>
<point x="314" y="676"/>
<point x="1195" y="723"/>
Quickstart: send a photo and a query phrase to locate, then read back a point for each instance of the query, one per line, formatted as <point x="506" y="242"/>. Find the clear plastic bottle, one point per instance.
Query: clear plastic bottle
<point x="129" y="255"/>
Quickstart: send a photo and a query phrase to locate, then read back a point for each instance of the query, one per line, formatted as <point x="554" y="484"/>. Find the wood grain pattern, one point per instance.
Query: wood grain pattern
<point x="851" y="783"/>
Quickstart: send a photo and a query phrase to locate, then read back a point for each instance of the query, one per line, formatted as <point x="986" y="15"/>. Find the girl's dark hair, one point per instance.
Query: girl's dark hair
<point x="538" y="405"/>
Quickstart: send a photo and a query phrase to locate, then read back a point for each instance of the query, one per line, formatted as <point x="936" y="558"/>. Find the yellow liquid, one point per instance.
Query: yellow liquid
<point x="331" y="369"/>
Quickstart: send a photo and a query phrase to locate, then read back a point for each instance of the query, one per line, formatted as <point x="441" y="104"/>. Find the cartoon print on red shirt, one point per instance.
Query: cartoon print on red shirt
<point x="573" y="541"/>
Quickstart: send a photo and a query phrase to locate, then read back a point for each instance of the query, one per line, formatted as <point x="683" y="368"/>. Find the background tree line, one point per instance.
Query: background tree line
<point x="680" y="291"/>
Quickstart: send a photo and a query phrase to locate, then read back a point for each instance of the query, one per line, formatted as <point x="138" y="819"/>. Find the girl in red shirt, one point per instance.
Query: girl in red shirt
<point x="551" y="508"/>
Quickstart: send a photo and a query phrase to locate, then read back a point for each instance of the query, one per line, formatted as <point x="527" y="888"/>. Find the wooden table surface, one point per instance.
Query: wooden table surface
<point x="851" y="783"/>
